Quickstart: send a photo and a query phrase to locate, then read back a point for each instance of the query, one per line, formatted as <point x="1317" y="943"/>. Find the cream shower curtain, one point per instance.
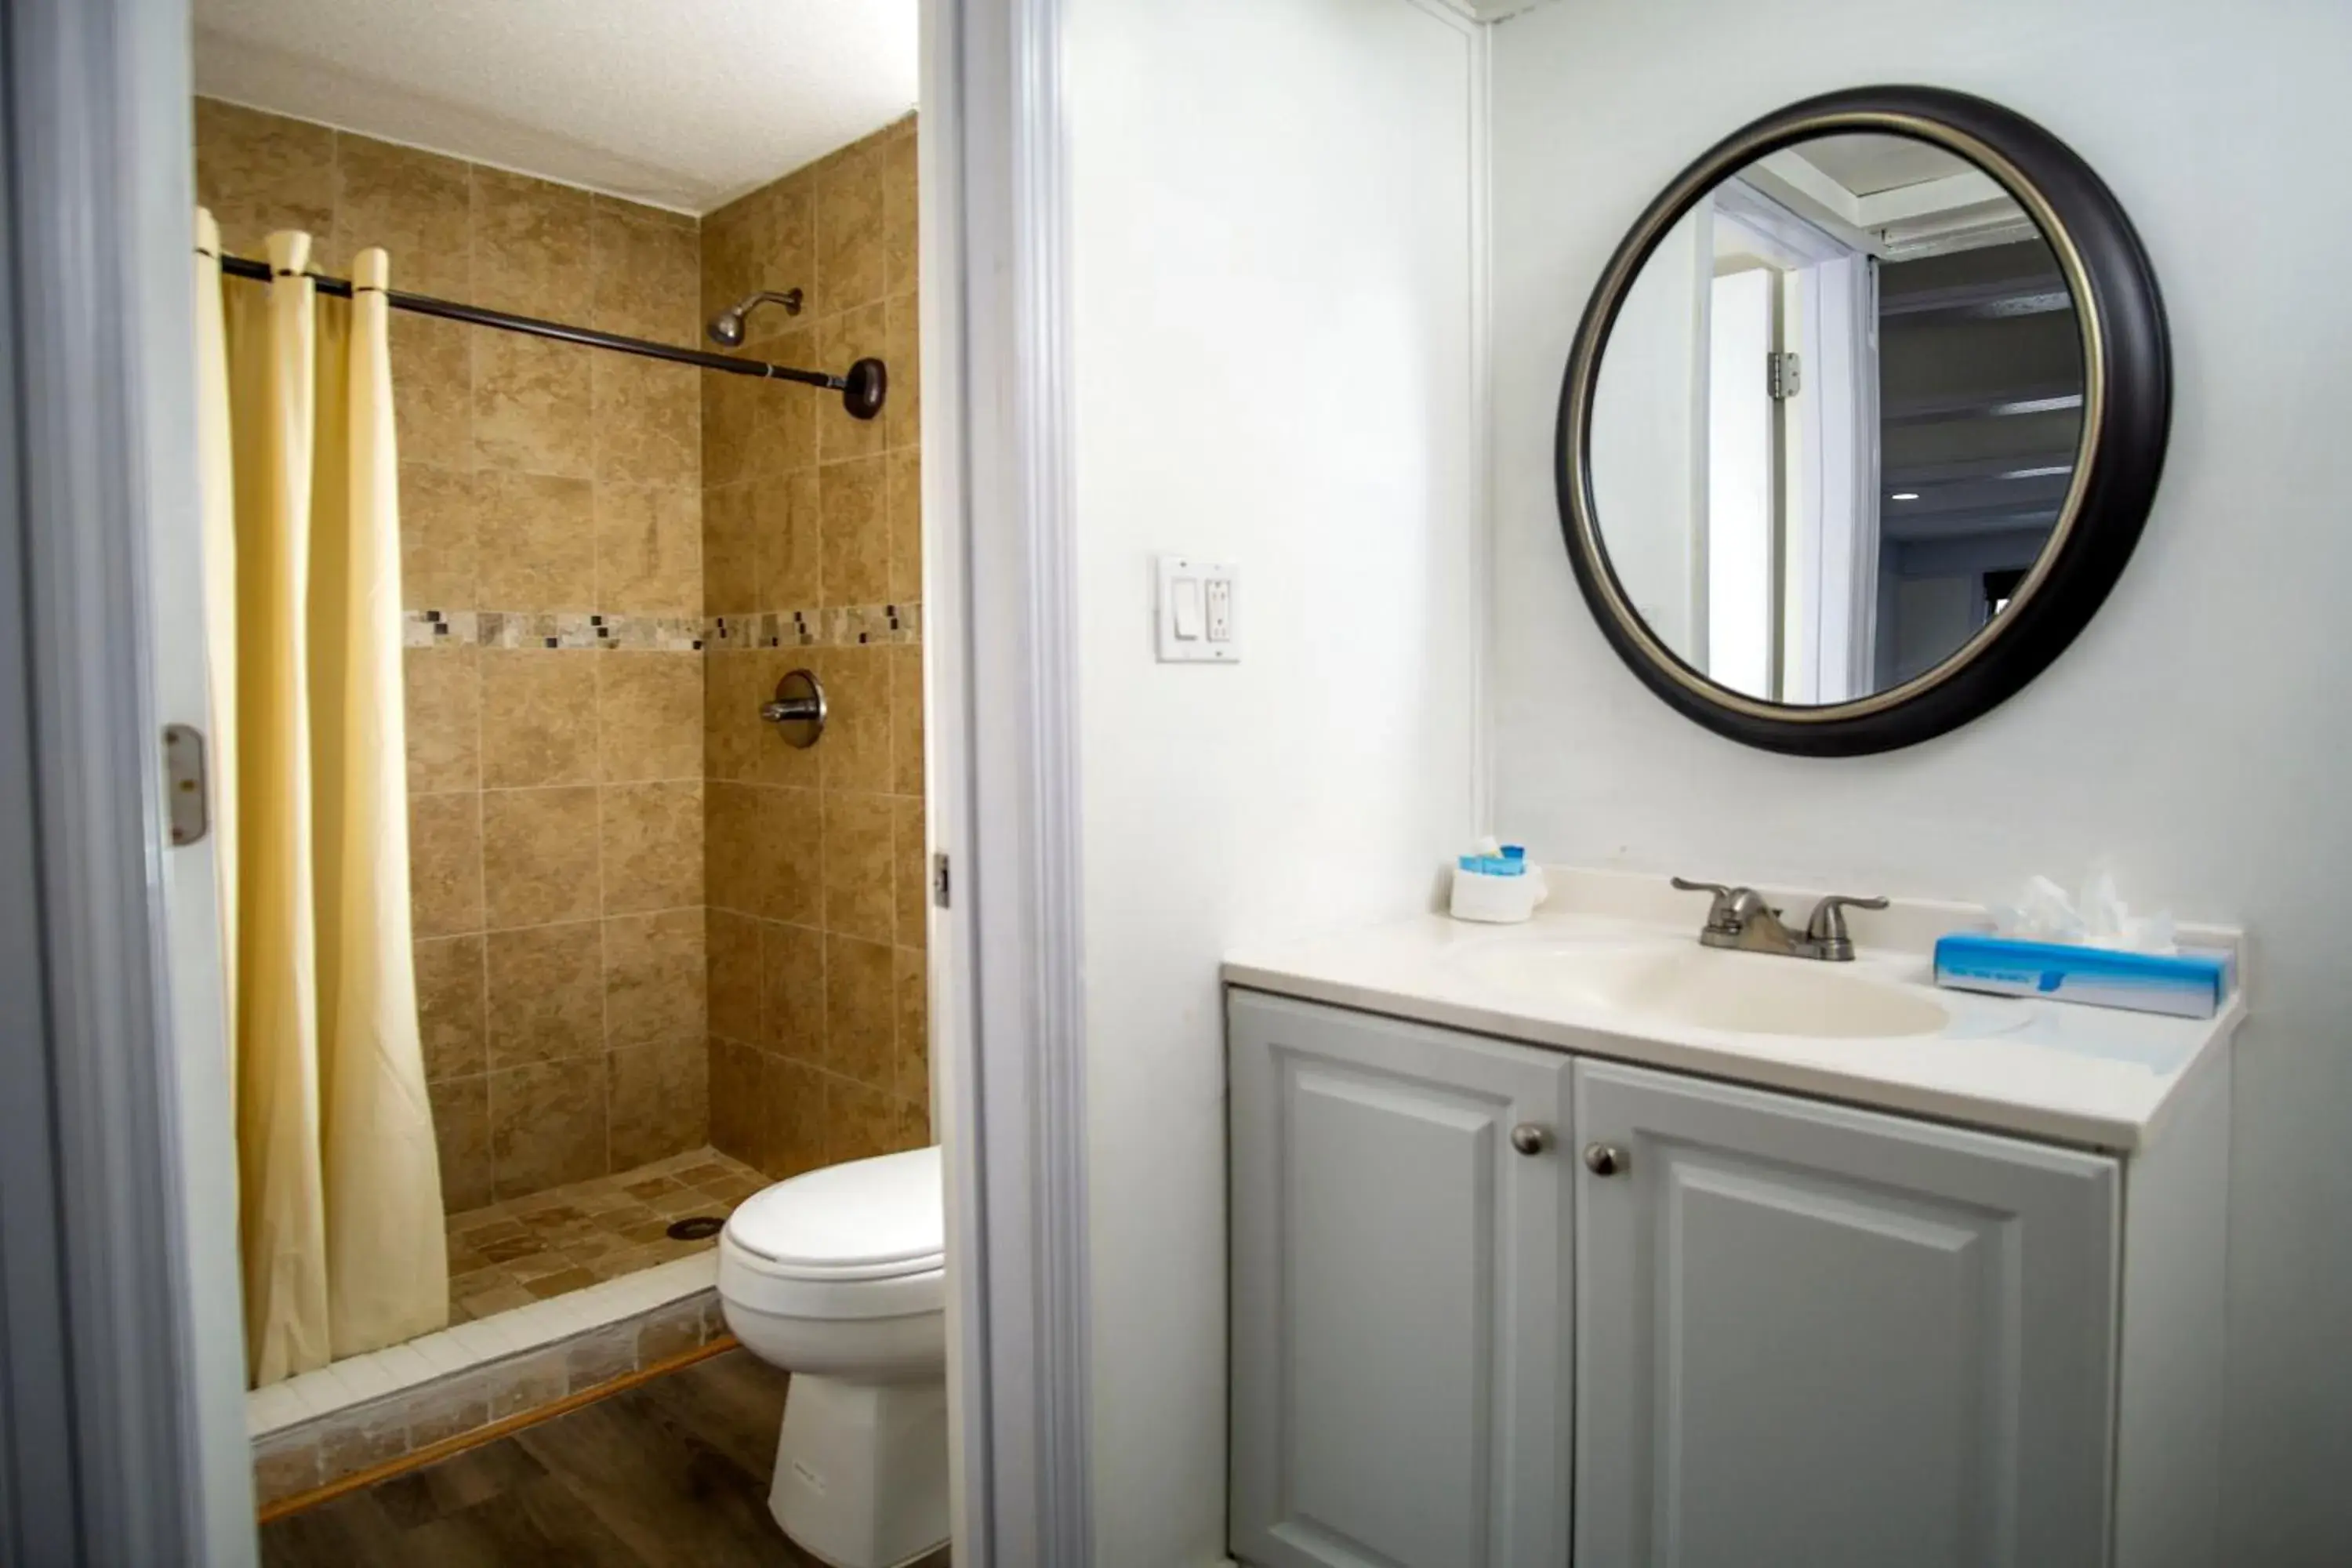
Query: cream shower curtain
<point x="340" y="1185"/>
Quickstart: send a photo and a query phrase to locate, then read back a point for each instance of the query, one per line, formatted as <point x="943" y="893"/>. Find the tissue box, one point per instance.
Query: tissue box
<point x="2186" y="985"/>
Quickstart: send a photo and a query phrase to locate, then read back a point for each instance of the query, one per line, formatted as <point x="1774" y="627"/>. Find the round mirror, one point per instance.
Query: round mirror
<point x="1863" y="421"/>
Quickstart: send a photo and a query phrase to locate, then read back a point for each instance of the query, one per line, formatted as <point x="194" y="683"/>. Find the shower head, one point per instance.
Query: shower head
<point x="726" y="329"/>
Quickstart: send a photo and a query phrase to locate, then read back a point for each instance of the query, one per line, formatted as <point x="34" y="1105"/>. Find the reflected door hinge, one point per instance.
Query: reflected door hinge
<point x="1782" y="375"/>
<point x="939" y="879"/>
<point x="187" y="804"/>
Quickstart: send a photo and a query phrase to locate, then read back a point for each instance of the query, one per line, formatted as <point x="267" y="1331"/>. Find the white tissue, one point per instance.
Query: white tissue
<point x="2097" y="917"/>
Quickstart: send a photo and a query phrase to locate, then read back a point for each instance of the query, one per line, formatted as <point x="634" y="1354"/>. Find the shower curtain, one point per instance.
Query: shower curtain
<point x="340" y="1185"/>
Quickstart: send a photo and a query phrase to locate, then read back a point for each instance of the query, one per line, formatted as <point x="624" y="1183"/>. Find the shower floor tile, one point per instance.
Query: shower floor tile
<point x="527" y="1250"/>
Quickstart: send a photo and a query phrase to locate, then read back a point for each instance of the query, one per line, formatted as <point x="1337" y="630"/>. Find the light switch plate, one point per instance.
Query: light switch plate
<point x="1214" y="591"/>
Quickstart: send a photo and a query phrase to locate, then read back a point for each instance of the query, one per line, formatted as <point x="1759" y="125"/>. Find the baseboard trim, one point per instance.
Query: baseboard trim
<point x="432" y="1453"/>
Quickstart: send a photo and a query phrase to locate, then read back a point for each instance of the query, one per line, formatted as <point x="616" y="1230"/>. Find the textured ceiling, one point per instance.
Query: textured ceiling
<point x="681" y="103"/>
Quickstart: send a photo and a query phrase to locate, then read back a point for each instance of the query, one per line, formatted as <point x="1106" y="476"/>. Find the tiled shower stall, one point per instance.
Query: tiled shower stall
<point x="644" y="926"/>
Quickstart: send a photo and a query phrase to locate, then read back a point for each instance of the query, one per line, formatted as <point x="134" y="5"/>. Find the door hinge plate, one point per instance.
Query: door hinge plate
<point x="939" y="878"/>
<point x="187" y="793"/>
<point x="1783" y="377"/>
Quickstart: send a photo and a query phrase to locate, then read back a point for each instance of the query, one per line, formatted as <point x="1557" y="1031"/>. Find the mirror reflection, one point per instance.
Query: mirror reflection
<point x="1836" y="419"/>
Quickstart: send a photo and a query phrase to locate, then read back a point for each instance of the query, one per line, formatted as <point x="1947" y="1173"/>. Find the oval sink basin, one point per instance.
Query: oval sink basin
<point x="1707" y="988"/>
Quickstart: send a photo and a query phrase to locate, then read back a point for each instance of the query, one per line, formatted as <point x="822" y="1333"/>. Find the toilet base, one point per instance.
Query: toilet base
<point x="862" y="1470"/>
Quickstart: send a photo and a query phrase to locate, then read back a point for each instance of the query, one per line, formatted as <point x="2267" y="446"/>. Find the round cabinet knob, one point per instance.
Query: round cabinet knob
<point x="1529" y="1139"/>
<point x="1604" y="1159"/>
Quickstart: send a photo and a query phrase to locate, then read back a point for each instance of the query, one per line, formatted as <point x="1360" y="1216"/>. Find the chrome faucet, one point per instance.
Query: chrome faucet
<point x="1739" y="919"/>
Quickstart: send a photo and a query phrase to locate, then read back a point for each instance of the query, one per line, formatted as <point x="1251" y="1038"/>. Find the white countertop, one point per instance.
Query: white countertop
<point x="2091" y="1075"/>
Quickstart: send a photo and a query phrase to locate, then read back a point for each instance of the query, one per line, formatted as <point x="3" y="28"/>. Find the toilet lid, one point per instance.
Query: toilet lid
<point x="869" y="1219"/>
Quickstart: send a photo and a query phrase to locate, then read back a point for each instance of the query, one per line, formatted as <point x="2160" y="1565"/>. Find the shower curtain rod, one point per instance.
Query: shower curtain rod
<point x="862" y="390"/>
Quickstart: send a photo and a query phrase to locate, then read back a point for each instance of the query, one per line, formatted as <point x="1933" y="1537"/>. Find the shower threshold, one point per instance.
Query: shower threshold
<point x="552" y="1295"/>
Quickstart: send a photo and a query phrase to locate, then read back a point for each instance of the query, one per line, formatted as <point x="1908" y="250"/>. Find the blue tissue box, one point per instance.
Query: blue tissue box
<point x="2190" y="985"/>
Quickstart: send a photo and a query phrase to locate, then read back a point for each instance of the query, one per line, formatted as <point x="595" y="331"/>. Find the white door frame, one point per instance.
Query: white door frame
<point x="122" y="1435"/>
<point x="1008" y="997"/>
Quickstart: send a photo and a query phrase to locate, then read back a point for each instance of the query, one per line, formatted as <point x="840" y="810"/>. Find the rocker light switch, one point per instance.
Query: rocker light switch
<point x="1196" y="610"/>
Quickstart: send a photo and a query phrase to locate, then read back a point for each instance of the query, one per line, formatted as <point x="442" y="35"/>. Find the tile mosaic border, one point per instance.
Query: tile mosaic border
<point x="363" y="1411"/>
<point x="841" y="625"/>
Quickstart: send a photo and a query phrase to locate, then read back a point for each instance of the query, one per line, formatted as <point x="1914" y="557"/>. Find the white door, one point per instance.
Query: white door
<point x="1401" y="1367"/>
<point x="1742" y="477"/>
<point x="1809" y="1336"/>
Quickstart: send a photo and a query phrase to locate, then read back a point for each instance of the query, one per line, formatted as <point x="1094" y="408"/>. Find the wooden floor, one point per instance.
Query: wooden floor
<point x="670" y="1474"/>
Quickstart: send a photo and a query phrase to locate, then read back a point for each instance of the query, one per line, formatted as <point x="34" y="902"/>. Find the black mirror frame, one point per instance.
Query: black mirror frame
<point x="2127" y="415"/>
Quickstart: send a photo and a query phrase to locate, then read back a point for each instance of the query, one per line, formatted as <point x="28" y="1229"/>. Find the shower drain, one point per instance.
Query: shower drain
<point x="696" y="1228"/>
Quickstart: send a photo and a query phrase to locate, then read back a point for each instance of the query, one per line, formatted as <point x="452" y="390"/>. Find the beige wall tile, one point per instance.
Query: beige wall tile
<point x="784" y="415"/>
<point x="646" y="272"/>
<point x="904" y="489"/>
<point x="538" y="856"/>
<point x="647" y="419"/>
<point x="860" y="1121"/>
<point x="445" y="864"/>
<point x="461" y="1132"/>
<point x="653" y="842"/>
<point x="899" y="185"/>
<point x="655" y="978"/>
<point x="730" y="409"/>
<point x="790" y="859"/>
<point x="730" y="841"/>
<point x="850" y="263"/>
<point x="531" y="247"/>
<point x="737" y="1123"/>
<point x="660" y="1102"/>
<point x="789" y="526"/>
<point x="910" y="872"/>
<point x="433" y="390"/>
<point x="734" y="974"/>
<point x="856" y="753"/>
<point x="860" y="868"/>
<point x="650" y="715"/>
<point x="547" y="1125"/>
<point x="792" y="1114"/>
<point x="449" y="1015"/>
<point x="284" y="1466"/>
<point x="538" y="542"/>
<point x="447" y="1407"/>
<point x="546" y="988"/>
<point x="792" y="255"/>
<point x="855" y="498"/>
<point x="737" y="241"/>
<point x="861" y="1011"/>
<point x="648" y="549"/>
<point x="527" y="1382"/>
<point x="532" y="405"/>
<point x="443" y="719"/>
<point x="539" y="716"/>
<point x="792" y="984"/>
<point x="905" y="663"/>
<point x="437" y="537"/>
<point x="729" y="714"/>
<point x="911" y="981"/>
<point x="902" y="348"/>
<point x="357" y="1440"/>
<point x="842" y="341"/>
<point x="731" y="572"/>
<point x="415" y="205"/>
<point x="914" y="1127"/>
<point x="262" y="171"/>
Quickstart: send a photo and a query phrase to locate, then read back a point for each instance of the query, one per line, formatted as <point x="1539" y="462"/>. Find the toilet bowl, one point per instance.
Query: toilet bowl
<point x="837" y="1277"/>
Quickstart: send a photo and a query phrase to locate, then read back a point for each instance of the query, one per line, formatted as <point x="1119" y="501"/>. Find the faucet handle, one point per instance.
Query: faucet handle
<point x="1723" y="912"/>
<point x="1827" y="926"/>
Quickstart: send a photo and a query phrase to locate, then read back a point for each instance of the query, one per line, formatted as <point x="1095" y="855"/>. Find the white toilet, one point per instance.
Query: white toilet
<point x="837" y="1277"/>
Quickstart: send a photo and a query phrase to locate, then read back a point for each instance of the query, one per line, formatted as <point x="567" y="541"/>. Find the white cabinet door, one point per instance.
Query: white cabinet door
<point x="1401" y="1361"/>
<point x="1809" y="1336"/>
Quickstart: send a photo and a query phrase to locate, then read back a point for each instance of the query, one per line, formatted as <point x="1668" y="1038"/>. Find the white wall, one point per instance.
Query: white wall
<point x="2195" y="737"/>
<point x="1272" y="341"/>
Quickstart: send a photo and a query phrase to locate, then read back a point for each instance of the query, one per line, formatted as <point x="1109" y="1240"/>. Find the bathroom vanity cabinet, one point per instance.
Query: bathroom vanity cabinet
<point x="1496" y="1303"/>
